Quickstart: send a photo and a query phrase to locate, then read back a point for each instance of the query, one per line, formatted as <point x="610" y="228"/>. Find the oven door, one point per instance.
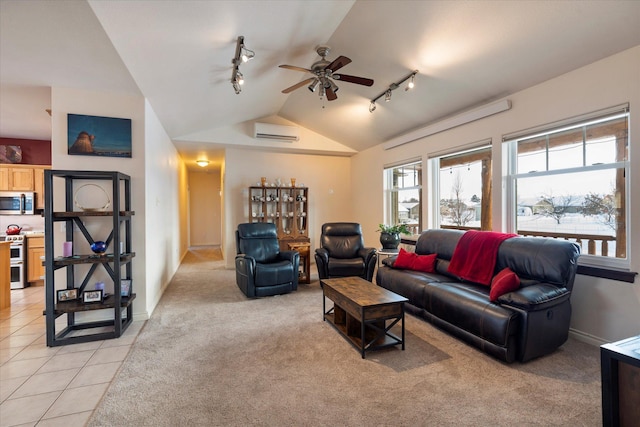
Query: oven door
<point x="17" y="275"/>
<point x="17" y="253"/>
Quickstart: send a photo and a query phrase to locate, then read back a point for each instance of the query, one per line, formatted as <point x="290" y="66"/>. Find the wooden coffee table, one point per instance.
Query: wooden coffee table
<point x="363" y="313"/>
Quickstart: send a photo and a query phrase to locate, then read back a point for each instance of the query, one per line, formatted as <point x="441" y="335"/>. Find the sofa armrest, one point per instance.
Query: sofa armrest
<point x="367" y="254"/>
<point x="289" y="255"/>
<point x="540" y="296"/>
<point x="389" y="261"/>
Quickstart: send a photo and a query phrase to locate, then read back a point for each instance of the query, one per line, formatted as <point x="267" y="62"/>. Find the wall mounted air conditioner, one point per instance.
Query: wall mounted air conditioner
<point x="278" y="132"/>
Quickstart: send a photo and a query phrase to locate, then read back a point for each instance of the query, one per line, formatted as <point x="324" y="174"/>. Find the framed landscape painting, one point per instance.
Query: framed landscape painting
<point x="98" y="136"/>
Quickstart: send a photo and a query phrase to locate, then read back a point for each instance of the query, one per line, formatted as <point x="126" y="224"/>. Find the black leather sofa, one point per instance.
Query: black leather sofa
<point x="521" y="325"/>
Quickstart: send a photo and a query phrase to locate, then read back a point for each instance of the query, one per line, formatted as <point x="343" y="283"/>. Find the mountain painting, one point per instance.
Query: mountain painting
<point x="98" y="136"/>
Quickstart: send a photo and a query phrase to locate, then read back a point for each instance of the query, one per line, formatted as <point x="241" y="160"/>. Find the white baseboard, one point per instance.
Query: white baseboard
<point x="587" y="338"/>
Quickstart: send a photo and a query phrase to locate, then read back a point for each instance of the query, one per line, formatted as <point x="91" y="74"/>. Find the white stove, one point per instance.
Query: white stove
<point x="17" y="264"/>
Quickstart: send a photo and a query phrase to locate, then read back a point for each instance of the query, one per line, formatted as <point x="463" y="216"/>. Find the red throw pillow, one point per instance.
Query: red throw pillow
<point x="404" y="259"/>
<point x="426" y="263"/>
<point x="503" y="282"/>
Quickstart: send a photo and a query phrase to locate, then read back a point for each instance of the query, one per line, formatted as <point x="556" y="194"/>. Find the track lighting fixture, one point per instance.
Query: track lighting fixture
<point x="242" y="55"/>
<point x="392" y="87"/>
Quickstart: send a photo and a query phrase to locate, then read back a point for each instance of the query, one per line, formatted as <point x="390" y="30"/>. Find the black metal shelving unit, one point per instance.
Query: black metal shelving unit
<point x="118" y="265"/>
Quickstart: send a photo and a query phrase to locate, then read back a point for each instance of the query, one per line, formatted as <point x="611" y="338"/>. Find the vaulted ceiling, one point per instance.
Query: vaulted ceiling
<point x="177" y="54"/>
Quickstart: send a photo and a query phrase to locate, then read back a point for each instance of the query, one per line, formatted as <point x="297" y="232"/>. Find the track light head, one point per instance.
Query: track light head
<point x="411" y="84"/>
<point x="239" y="78"/>
<point x="372" y="106"/>
<point x="387" y="95"/>
<point x="247" y="55"/>
<point x="236" y="87"/>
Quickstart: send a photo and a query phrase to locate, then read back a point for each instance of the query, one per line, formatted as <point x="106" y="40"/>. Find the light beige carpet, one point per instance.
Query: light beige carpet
<point x="211" y="357"/>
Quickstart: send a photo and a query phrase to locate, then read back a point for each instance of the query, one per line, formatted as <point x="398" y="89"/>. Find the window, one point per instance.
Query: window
<point x="570" y="182"/>
<point x="402" y="200"/>
<point x="463" y="189"/>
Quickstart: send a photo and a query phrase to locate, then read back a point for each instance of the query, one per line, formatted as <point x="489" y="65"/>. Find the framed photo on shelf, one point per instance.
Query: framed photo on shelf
<point x="92" y="296"/>
<point x="125" y="288"/>
<point x="66" y="295"/>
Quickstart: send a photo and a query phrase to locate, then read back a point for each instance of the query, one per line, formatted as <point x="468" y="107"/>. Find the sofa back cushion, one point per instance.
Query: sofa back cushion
<point x="533" y="259"/>
<point x="548" y="260"/>
<point x="342" y="239"/>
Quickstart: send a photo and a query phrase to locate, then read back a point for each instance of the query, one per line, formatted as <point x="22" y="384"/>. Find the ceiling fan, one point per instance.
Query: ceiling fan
<point x="323" y="75"/>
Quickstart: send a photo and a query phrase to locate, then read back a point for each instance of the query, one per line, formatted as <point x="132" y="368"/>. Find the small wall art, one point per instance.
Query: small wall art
<point x="98" y="136"/>
<point x="10" y="154"/>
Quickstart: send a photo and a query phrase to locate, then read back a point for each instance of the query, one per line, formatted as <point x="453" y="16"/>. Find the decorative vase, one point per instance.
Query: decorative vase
<point x="390" y="240"/>
<point x="99" y="247"/>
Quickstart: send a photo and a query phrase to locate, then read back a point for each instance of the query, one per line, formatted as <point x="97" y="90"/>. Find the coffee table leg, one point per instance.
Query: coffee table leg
<point x="402" y="327"/>
<point x="362" y="336"/>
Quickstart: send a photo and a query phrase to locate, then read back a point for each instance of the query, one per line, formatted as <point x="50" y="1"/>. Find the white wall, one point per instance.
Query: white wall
<point x="328" y="179"/>
<point x="155" y="186"/>
<point x="165" y="182"/>
<point x="603" y="310"/>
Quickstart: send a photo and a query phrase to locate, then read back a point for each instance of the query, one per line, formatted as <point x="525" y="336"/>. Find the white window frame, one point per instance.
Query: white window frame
<point x="512" y="175"/>
<point x="434" y="173"/>
<point x="388" y="184"/>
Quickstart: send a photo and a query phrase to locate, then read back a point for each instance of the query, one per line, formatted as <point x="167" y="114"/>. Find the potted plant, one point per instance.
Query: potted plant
<point x="390" y="235"/>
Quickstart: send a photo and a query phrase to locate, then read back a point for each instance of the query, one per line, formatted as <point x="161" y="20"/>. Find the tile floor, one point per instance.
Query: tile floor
<point x="51" y="386"/>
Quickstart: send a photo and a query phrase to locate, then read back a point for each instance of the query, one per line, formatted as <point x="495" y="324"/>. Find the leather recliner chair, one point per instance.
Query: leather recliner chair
<point x="342" y="252"/>
<point x="261" y="268"/>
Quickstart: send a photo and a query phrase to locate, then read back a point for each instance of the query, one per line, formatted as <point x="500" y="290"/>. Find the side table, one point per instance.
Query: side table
<point x="386" y="253"/>
<point x="620" y="369"/>
<point x="304" y="249"/>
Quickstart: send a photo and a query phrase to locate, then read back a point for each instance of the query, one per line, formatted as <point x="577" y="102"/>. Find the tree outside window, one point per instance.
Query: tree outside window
<point x="464" y="190"/>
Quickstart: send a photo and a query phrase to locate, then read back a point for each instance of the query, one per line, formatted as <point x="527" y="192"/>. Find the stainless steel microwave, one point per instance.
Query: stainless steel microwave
<point x="17" y="203"/>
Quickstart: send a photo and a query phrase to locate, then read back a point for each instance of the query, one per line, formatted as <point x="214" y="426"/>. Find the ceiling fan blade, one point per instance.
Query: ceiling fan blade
<point x="338" y="63"/>
<point x="331" y="95"/>
<point x="293" y="67"/>
<point x="353" y="79"/>
<point x="298" y="85"/>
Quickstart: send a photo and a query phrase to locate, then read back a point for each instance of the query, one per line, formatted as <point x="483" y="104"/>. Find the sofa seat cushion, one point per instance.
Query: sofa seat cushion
<point x="275" y="273"/>
<point x="346" y="267"/>
<point x="467" y="306"/>
<point x="408" y="283"/>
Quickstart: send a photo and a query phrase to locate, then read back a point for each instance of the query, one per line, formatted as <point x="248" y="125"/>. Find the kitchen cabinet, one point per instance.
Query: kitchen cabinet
<point x="117" y="307"/>
<point x="35" y="252"/>
<point x="38" y="186"/>
<point x="4" y="178"/>
<point x="16" y="178"/>
<point x="24" y="178"/>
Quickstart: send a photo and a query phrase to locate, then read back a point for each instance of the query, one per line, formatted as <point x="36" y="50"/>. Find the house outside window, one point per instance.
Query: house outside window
<point x="570" y="182"/>
<point x="462" y="189"/>
<point x="402" y="200"/>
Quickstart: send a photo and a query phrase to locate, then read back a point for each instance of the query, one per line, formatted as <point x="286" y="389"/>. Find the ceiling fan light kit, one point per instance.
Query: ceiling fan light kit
<point x="393" y="86"/>
<point x="323" y="75"/>
<point x="242" y="55"/>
